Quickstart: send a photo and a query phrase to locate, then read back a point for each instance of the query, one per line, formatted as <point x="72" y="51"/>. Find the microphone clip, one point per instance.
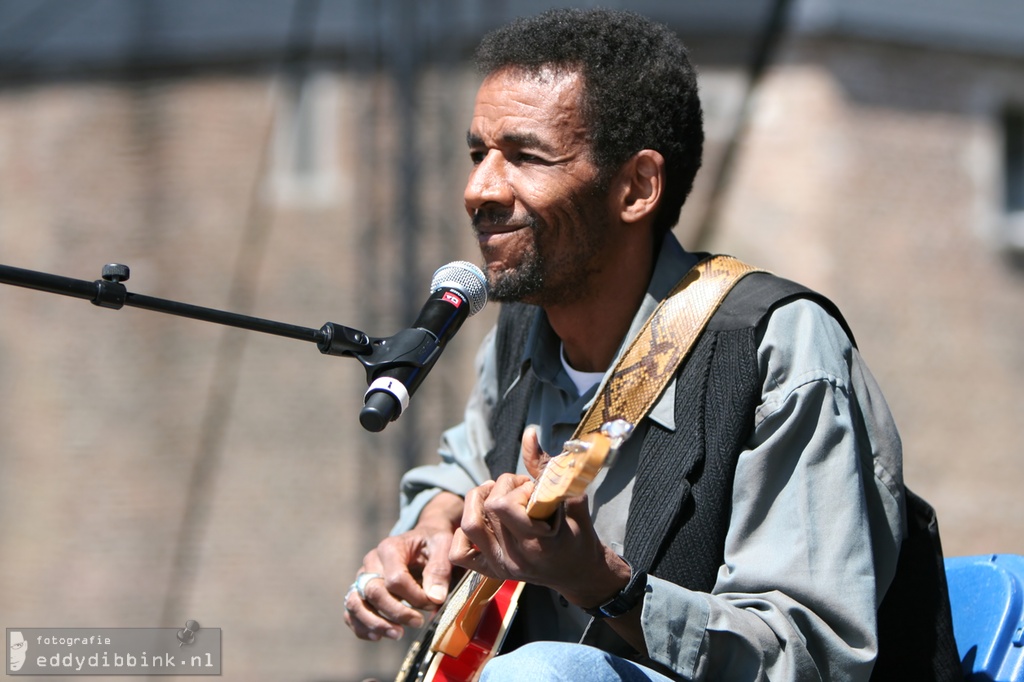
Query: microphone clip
<point x="412" y="348"/>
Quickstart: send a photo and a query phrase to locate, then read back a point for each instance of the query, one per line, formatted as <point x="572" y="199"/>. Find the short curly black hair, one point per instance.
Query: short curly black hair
<point x="640" y="89"/>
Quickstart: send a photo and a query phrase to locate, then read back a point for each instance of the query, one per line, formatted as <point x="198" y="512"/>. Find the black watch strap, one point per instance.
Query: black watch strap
<point x="626" y="599"/>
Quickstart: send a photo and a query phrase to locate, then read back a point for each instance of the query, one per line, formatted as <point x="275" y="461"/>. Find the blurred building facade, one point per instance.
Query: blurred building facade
<point x="302" y="161"/>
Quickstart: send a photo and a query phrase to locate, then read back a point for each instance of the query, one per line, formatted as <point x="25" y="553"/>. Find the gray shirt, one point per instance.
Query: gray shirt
<point x="817" y="506"/>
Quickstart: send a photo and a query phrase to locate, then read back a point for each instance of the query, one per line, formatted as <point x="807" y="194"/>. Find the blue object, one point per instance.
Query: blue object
<point x="986" y="594"/>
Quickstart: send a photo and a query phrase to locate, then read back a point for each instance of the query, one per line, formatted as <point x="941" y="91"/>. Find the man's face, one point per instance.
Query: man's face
<point x="19" y="648"/>
<point x="534" y="194"/>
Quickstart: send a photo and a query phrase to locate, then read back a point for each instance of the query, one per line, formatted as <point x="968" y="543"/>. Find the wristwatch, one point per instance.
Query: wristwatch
<point x="628" y="597"/>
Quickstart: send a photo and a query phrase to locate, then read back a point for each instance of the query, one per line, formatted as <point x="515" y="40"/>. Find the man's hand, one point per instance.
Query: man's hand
<point x="498" y="539"/>
<point x="412" y="567"/>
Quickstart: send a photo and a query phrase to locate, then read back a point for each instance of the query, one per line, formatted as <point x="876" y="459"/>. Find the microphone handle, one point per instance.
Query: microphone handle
<point x="379" y="410"/>
<point x="400" y="363"/>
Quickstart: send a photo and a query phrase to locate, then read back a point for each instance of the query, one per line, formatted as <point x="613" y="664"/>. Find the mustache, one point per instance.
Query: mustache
<point x="502" y="217"/>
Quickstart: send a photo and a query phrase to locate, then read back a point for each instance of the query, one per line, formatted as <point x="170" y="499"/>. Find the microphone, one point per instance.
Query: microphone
<point x="457" y="291"/>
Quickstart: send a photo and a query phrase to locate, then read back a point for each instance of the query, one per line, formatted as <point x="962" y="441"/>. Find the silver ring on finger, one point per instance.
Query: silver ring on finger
<point x="351" y="590"/>
<point x="362" y="580"/>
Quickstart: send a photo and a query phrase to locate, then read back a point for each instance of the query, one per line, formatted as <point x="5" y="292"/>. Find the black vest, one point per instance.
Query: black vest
<point x="681" y="503"/>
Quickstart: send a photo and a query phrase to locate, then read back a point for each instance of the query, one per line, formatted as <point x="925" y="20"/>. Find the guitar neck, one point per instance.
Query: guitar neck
<point x="567" y="475"/>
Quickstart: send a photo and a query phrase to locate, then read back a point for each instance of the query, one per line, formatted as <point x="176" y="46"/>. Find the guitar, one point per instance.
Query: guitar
<point x="470" y="626"/>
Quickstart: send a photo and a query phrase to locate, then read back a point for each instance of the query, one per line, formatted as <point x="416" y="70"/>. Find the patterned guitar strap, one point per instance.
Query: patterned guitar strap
<point x="655" y="354"/>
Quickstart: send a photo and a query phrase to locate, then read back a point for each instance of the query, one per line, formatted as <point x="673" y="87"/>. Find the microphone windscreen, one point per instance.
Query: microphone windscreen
<point x="465" y="277"/>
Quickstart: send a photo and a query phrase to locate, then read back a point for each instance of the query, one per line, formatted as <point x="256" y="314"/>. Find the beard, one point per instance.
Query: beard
<point x="524" y="283"/>
<point x="542" y="276"/>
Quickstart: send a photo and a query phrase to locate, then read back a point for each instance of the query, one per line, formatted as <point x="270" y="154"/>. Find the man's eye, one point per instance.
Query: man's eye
<point x="523" y="157"/>
<point x="477" y="157"/>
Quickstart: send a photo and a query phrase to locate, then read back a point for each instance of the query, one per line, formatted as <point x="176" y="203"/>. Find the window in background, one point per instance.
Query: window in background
<point x="304" y="164"/>
<point x="1013" y="176"/>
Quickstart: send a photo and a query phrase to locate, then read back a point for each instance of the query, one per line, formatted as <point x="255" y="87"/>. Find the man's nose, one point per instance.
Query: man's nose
<point x="488" y="183"/>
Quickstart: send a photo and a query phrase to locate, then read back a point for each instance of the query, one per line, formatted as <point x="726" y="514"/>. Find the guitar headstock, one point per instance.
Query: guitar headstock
<point x="569" y="474"/>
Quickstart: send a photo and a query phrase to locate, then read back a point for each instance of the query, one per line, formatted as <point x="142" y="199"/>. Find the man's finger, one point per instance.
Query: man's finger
<point x="464" y="553"/>
<point x="534" y="457"/>
<point x="396" y="556"/>
<point x="380" y="596"/>
<point x="366" y="623"/>
<point x="437" y="572"/>
<point x="474" y="523"/>
<point x="506" y="508"/>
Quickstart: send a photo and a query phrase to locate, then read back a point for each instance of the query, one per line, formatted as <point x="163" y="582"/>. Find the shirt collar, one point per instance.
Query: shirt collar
<point x="543" y="345"/>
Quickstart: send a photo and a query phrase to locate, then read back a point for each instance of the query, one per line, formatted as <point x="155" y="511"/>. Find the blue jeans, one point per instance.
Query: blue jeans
<point x="559" y="661"/>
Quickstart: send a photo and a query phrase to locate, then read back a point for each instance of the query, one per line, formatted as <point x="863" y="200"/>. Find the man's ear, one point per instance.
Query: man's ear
<point x="642" y="181"/>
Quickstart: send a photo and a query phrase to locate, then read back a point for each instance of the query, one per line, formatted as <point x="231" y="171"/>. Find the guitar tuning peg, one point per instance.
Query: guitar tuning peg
<point x="617" y="430"/>
<point x="576" y="446"/>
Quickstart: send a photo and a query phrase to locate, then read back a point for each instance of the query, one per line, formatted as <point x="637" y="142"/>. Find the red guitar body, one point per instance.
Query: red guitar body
<point x="485" y="641"/>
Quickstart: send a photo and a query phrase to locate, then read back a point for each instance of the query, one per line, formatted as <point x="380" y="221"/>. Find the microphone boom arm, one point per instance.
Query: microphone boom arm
<point x="394" y="365"/>
<point x="375" y="354"/>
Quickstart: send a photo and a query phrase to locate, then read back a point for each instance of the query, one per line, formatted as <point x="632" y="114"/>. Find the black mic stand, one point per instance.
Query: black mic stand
<point x="415" y="348"/>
